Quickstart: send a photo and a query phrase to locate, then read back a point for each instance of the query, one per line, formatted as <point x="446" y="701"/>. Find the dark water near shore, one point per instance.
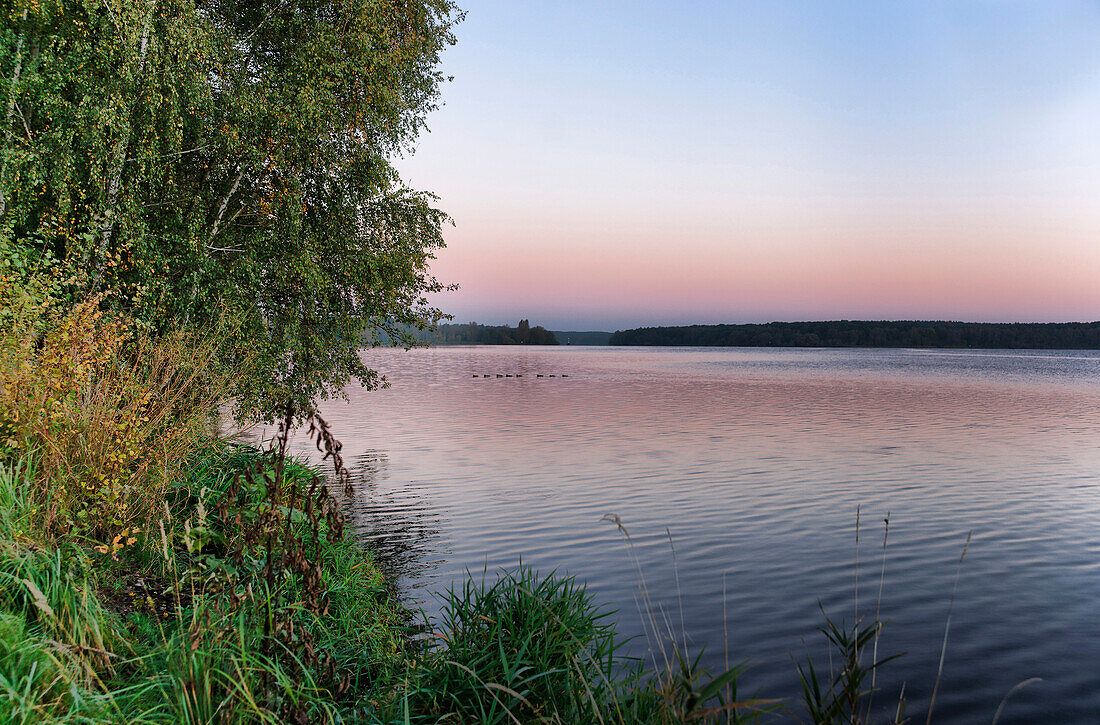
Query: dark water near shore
<point x="756" y="460"/>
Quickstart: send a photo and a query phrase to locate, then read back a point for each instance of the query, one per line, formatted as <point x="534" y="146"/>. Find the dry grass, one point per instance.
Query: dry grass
<point x="108" y="413"/>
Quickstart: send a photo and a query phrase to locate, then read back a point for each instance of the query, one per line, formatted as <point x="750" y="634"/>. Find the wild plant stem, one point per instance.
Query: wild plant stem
<point x="1019" y="686"/>
<point x="614" y="518"/>
<point x="726" y="636"/>
<point x="947" y="628"/>
<point x="878" y="610"/>
<point x="857" y="566"/>
<point x="679" y="592"/>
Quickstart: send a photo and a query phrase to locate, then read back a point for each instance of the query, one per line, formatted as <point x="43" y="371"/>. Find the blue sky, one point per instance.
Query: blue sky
<point x="610" y="164"/>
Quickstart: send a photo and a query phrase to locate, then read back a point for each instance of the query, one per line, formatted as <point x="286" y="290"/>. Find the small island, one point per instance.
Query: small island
<point x="473" y="333"/>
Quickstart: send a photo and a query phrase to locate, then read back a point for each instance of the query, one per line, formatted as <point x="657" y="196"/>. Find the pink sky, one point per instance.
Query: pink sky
<point x="933" y="161"/>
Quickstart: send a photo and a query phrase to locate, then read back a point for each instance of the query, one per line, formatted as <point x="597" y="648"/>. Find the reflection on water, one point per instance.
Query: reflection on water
<point x="400" y="526"/>
<point x="756" y="460"/>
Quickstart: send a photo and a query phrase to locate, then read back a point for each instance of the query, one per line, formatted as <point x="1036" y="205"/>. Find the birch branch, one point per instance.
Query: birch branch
<point x="210" y="247"/>
<point x="168" y="155"/>
<point x="11" y="111"/>
<point x="224" y="204"/>
<point x="26" y="126"/>
<point x="107" y="227"/>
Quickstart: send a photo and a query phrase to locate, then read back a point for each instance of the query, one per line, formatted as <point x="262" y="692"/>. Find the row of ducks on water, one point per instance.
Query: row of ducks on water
<point x="517" y="375"/>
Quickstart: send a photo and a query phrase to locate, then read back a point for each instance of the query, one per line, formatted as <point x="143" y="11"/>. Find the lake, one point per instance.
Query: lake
<point x="754" y="462"/>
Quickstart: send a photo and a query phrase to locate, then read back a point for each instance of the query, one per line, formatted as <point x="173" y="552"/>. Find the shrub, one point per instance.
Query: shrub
<point x="109" y="413"/>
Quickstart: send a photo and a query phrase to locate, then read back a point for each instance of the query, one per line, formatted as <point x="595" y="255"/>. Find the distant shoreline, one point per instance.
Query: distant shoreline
<point x="859" y="333"/>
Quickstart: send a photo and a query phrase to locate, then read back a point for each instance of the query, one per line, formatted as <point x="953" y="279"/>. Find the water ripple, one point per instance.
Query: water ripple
<point x="755" y="461"/>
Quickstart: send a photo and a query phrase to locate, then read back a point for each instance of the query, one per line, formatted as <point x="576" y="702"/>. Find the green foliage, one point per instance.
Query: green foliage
<point x="195" y="161"/>
<point x="530" y="648"/>
<point x="212" y="670"/>
<point x="842" y="699"/>
<point x="241" y="632"/>
<point x="76" y="645"/>
<point x="263" y="538"/>
<point x="526" y="647"/>
<point x="34" y="679"/>
<point x="54" y="635"/>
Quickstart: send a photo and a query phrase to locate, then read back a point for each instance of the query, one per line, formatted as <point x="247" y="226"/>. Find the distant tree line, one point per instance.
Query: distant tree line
<point x="473" y="333"/>
<point x="846" y="333"/>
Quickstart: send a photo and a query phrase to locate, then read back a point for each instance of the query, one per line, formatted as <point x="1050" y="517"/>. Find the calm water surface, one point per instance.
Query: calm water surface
<point x="755" y="460"/>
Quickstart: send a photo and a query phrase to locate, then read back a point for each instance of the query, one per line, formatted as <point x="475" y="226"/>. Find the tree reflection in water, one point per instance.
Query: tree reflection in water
<point x="401" y="525"/>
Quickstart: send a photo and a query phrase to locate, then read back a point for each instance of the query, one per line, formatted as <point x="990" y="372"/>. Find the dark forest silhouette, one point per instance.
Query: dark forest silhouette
<point x="473" y="333"/>
<point x="846" y="333"/>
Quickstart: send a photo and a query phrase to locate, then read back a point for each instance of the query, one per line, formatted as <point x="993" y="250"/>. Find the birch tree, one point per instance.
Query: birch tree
<point x="192" y="159"/>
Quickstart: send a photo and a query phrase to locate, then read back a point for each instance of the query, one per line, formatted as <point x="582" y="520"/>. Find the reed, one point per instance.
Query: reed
<point x="235" y="642"/>
<point x="947" y="627"/>
<point x="843" y="696"/>
<point x="677" y="689"/>
<point x="523" y="648"/>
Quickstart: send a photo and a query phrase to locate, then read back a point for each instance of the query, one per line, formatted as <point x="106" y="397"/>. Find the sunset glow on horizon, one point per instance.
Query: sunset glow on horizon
<point x="613" y="164"/>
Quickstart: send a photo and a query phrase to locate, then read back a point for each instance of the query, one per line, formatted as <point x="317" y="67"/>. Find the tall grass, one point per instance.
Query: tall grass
<point x="107" y="413"/>
<point x="54" y="638"/>
<point x="151" y="573"/>
<point x="216" y="655"/>
<point x="843" y="695"/>
<point x="524" y="648"/>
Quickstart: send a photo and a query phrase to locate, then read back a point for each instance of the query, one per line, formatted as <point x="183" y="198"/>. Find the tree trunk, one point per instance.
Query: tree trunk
<point x="107" y="228"/>
<point x="11" y="113"/>
<point x="224" y="204"/>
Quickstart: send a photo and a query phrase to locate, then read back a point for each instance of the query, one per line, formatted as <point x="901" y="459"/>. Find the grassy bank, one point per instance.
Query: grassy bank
<point x="184" y="624"/>
<point x="226" y="613"/>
